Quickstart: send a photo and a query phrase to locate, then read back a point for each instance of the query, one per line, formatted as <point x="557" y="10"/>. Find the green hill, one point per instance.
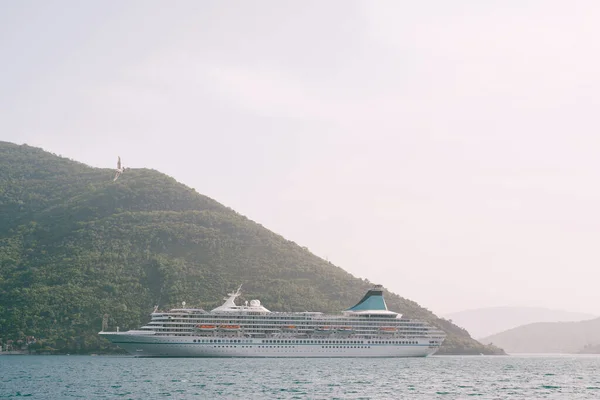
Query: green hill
<point x="75" y="245"/>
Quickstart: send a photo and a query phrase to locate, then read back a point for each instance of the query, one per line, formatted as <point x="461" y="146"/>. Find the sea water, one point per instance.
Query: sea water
<point x="437" y="377"/>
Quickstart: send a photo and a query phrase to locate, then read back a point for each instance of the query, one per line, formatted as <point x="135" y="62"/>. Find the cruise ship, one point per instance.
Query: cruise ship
<point x="367" y="329"/>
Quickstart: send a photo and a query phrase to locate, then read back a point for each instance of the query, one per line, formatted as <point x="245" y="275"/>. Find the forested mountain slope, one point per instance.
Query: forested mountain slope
<point x="75" y="245"/>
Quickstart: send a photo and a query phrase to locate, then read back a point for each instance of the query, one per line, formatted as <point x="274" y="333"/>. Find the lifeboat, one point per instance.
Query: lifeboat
<point x="388" y="329"/>
<point x="206" y="327"/>
<point x="229" y="328"/>
<point x="289" y="327"/>
<point x="324" y="329"/>
<point x="344" y="330"/>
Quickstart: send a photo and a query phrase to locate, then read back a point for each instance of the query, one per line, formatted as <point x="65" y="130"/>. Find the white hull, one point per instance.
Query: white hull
<point x="189" y="346"/>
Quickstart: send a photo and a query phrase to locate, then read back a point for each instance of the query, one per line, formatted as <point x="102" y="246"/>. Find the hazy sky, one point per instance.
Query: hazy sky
<point x="445" y="149"/>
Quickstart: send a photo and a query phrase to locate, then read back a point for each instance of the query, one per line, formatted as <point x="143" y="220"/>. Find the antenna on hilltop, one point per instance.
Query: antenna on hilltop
<point x="120" y="169"/>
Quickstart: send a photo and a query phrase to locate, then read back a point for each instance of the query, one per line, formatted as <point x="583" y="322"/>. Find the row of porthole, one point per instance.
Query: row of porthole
<point x="342" y="342"/>
<point x="392" y="342"/>
<point x="293" y="347"/>
<point x="307" y="342"/>
<point x="262" y="347"/>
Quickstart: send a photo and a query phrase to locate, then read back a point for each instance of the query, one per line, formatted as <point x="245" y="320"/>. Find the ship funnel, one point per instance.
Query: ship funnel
<point x="372" y="301"/>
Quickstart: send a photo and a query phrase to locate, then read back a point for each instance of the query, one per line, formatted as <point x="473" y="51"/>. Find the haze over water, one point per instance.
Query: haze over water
<point x="443" y="377"/>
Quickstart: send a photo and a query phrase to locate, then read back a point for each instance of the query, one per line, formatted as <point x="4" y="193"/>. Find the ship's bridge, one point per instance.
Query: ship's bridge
<point x="372" y="303"/>
<point x="230" y="306"/>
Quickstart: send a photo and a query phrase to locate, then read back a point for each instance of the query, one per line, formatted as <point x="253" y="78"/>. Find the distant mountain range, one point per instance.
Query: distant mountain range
<point x="484" y="322"/>
<point x="550" y="337"/>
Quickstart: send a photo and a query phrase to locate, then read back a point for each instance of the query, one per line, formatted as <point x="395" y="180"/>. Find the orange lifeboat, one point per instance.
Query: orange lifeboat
<point x="230" y="327"/>
<point x="344" y="330"/>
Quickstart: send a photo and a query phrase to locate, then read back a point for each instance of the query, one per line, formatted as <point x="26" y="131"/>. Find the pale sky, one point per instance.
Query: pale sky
<point x="447" y="150"/>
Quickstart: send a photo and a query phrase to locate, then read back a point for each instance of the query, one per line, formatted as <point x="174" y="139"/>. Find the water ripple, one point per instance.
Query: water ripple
<point x="515" y="377"/>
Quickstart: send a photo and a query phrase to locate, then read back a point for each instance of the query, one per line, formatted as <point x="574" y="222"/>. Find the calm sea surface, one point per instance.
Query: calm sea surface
<point x="504" y="377"/>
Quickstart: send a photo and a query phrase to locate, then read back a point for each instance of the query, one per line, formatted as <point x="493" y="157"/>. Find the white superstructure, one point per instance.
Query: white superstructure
<point x="368" y="329"/>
